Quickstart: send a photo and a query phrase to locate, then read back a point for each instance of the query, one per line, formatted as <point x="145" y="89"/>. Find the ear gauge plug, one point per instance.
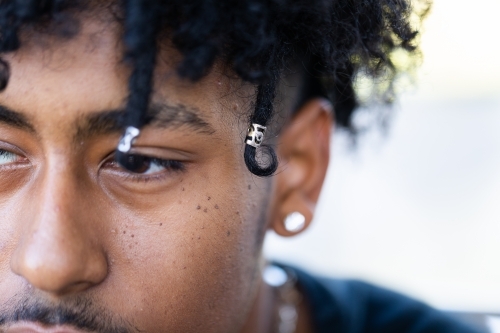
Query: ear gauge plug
<point x="122" y="154"/>
<point x="295" y="222"/>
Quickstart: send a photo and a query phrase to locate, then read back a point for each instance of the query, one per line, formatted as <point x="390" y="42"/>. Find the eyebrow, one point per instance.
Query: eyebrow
<point x="15" y="119"/>
<point x="160" y="116"/>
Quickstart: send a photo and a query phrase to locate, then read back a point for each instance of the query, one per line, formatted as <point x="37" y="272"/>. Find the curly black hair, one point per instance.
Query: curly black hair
<point x="333" y="40"/>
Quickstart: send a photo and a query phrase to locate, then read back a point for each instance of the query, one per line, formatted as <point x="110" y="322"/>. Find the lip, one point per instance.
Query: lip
<point x="25" y="327"/>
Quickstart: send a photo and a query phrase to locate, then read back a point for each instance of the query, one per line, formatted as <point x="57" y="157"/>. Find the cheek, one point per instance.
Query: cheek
<point x="193" y="254"/>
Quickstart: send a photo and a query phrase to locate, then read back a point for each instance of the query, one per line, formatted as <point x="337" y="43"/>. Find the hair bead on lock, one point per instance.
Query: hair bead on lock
<point x="122" y="154"/>
<point x="255" y="135"/>
<point x="128" y="139"/>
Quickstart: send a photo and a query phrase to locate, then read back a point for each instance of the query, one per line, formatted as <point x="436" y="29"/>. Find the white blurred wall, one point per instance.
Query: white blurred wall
<point x="419" y="209"/>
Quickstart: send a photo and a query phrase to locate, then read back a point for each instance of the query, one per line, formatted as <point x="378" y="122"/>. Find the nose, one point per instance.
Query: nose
<point x="58" y="250"/>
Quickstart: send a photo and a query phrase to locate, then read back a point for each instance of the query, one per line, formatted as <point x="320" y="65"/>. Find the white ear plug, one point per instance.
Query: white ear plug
<point x="295" y="222"/>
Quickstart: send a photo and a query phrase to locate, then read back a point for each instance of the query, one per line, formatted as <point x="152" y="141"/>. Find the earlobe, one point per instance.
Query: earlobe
<point x="295" y="215"/>
<point x="303" y="148"/>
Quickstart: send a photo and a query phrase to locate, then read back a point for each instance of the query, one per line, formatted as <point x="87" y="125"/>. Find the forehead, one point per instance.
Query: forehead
<point x="86" y="74"/>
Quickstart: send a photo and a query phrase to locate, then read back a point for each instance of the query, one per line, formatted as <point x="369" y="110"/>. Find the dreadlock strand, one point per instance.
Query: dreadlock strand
<point x="9" y="25"/>
<point x="141" y="29"/>
<point x="266" y="93"/>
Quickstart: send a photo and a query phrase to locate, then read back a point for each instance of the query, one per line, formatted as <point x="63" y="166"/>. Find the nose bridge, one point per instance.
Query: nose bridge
<point x="58" y="252"/>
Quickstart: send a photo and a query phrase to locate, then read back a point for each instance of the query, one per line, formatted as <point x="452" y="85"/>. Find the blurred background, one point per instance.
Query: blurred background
<point x="417" y="209"/>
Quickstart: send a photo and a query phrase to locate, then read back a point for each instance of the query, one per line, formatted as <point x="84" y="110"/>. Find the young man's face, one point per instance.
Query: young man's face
<point x="86" y="243"/>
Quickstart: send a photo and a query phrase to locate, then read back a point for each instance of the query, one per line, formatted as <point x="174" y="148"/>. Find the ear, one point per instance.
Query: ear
<point x="304" y="151"/>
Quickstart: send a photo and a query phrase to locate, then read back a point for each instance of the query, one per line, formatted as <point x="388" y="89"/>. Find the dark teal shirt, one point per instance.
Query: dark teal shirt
<point x="348" y="306"/>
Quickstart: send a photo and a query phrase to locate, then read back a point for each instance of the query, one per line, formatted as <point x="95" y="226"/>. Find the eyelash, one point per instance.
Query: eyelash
<point x="170" y="166"/>
<point x="7" y="154"/>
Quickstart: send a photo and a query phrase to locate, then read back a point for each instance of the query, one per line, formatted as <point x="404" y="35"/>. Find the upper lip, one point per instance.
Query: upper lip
<point x="27" y="327"/>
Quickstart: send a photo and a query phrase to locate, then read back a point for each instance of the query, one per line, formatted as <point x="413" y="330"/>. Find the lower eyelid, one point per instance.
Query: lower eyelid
<point x="147" y="178"/>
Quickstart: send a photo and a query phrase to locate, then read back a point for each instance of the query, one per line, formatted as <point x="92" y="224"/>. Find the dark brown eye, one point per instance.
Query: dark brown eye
<point x="144" y="165"/>
<point x="133" y="163"/>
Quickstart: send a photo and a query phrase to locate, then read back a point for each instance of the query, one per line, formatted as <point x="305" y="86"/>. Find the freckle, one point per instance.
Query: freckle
<point x="199" y="237"/>
<point x="228" y="232"/>
<point x="249" y="187"/>
<point x="198" y="207"/>
<point x="209" y="198"/>
<point x="237" y="213"/>
<point x="124" y="232"/>
<point x="184" y="267"/>
<point x="132" y="236"/>
<point x="216" y="206"/>
<point x="136" y="243"/>
<point x="205" y="210"/>
<point x="183" y="188"/>
<point x="161" y="224"/>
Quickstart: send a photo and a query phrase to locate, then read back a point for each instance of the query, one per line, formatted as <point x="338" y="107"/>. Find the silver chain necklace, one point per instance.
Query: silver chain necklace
<point x="284" y="284"/>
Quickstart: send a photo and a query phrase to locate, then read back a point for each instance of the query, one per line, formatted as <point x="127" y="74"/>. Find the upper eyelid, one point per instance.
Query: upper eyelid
<point x="12" y="148"/>
<point x="110" y="157"/>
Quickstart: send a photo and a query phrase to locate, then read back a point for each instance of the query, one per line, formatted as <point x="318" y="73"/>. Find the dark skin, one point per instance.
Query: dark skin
<point x="174" y="249"/>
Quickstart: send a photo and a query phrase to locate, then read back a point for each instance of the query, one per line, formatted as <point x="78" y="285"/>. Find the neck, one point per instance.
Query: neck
<point x="262" y="316"/>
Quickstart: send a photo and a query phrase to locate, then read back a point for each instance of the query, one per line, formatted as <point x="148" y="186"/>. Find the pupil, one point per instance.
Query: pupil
<point x="139" y="164"/>
<point x="134" y="163"/>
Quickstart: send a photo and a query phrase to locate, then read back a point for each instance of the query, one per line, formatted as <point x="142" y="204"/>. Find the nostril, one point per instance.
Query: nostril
<point x="76" y="287"/>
